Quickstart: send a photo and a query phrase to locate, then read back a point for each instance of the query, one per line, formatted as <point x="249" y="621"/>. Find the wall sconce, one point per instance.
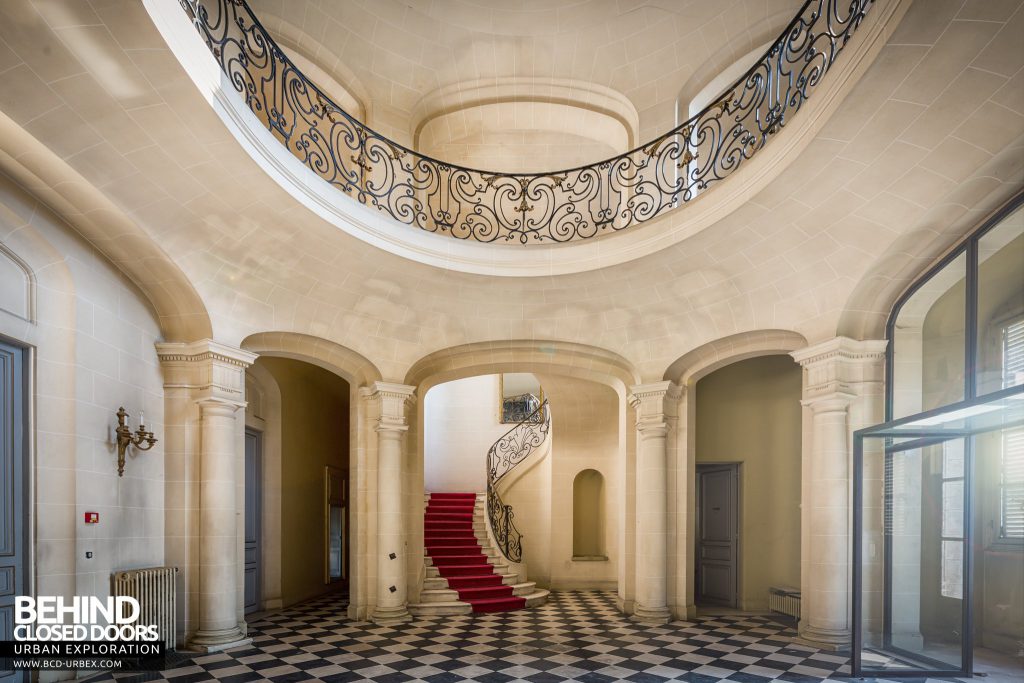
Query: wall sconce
<point x="141" y="439"/>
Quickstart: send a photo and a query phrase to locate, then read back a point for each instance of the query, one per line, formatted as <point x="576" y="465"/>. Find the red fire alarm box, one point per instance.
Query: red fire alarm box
<point x="92" y="518"/>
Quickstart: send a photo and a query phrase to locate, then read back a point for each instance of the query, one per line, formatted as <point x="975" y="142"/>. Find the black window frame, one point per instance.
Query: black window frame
<point x="968" y="246"/>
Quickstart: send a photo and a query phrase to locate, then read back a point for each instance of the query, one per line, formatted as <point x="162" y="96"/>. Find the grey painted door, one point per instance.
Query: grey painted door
<point x="253" y="459"/>
<point x="13" y="511"/>
<point x="717" y="535"/>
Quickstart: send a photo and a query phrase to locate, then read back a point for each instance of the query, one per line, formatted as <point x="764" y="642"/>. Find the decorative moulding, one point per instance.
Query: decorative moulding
<point x="25" y="308"/>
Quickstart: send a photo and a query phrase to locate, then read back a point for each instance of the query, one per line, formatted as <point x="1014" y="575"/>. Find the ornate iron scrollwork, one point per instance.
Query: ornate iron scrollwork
<point x="573" y="204"/>
<point x="511" y="449"/>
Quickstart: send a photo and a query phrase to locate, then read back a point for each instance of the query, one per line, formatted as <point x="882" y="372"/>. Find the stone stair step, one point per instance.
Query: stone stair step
<point x="440" y="609"/>
<point x="524" y="589"/>
<point x="439" y="595"/>
<point x="538" y="597"/>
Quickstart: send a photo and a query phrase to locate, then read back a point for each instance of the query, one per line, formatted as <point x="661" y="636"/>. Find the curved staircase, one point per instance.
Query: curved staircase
<point x="464" y="574"/>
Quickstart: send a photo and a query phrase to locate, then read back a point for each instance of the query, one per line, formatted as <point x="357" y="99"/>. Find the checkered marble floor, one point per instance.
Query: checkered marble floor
<point x="576" y="636"/>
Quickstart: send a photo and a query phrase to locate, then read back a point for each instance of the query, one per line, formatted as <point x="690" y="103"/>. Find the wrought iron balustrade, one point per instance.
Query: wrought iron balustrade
<point x="558" y="206"/>
<point x="512" y="448"/>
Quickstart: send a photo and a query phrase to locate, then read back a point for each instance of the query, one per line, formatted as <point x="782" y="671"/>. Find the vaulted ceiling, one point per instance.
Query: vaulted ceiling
<point x="926" y="144"/>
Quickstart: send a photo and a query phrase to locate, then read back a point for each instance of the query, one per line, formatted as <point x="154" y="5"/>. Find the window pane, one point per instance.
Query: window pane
<point x="953" y="569"/>
<point x="953" y="459"/>
<point x="1012" y="485"/>
<point x="1001" y="305"/>
<point x="928" y="343"/>
<point x="953" y="508"/>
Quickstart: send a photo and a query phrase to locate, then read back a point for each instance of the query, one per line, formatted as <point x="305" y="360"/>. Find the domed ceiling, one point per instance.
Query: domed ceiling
<point x="397" y="55"/>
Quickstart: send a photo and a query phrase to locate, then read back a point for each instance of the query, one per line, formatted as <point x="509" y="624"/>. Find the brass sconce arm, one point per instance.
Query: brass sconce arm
<point x="141" y="439"/>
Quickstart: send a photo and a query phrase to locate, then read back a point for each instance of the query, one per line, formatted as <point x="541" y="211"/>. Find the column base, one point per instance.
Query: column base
<point x="216" y="640"/>
<point x="651" y="616"/>
<point x="684" y="612"/>
<point x="390" y="616"/>
<point x="824" y="638"/>
<point x="625" y="606"/>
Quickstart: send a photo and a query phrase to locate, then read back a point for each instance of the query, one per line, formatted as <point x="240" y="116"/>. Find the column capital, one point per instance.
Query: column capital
<point x="834" y="368"/>
<point x="392" y="399"/>
<point x="655" y="404"/>
<point x="204" y="350"/>
<point x="207" y="368"/>
<point x="833" y="402"/>
<point x="216" y="406"/>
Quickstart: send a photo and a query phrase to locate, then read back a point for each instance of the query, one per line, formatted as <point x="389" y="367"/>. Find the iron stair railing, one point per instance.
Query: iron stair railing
<point x="505" y="454"/>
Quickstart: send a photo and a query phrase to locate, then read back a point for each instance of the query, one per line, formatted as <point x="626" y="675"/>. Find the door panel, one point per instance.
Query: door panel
<point x="253" y="510"/>
<point x="13" y="513"/>
<point x="717" y="524"/>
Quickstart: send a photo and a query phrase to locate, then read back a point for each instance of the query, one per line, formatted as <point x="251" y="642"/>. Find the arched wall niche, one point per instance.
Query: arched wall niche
<point x="588" y="515"/>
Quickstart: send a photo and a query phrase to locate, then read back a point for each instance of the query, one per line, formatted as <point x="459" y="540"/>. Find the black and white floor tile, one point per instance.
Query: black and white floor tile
<point x="576" y="636"/>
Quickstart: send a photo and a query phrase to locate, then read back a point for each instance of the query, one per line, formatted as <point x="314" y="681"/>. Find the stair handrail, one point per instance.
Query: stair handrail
<point x="512" y="448"/>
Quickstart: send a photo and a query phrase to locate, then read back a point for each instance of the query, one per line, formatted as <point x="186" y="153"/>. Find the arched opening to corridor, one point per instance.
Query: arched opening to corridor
<point x="464" y="418"/>
<point x="748" y="483"/>
<point x="297" y="501"/>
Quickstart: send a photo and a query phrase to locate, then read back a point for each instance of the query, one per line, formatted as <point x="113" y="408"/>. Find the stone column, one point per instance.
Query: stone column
<point x="218" y="520"/>
<point x="656" y="405"/>
<point x="204" y="390"/>
<point x="391" y="401"/>
<point x="840" y="376"/>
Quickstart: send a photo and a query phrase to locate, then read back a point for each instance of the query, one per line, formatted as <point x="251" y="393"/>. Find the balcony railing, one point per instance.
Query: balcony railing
<point x="557" y="206"/>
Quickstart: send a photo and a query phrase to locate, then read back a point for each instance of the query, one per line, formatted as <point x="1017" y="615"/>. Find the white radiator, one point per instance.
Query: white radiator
<point x="153" y="587"/>
<point x="784" y="601"/>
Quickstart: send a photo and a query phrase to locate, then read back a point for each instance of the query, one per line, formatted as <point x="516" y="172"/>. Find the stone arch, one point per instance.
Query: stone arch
<point x="181" y="313"/>
<point x="686" y="371"/>
<point x="558" y="358"/>
<point x="707" y="358"/>
<point x="360" y="373"/>
<point x="353" y="367"/>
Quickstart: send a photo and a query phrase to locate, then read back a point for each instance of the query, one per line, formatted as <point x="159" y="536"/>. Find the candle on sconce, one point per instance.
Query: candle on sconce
<point x="142" y="418"/>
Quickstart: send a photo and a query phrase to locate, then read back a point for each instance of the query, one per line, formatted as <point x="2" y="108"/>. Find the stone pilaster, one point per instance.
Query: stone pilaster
<point x="204" y="384"/>
<point x="842" y="379"/>
<point x="391" y="426"/>
<point x="656" y="406"/>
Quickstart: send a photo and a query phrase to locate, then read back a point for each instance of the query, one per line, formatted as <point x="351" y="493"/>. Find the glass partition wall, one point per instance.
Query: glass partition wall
<point x="939" y="488"/>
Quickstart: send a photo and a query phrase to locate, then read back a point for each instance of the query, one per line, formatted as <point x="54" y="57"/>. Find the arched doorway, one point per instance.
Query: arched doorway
<point x="298" y="459"/>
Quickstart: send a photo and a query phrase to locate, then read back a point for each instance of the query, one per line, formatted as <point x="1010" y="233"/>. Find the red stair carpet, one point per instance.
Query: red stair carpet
<point x="452" y="545"/>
